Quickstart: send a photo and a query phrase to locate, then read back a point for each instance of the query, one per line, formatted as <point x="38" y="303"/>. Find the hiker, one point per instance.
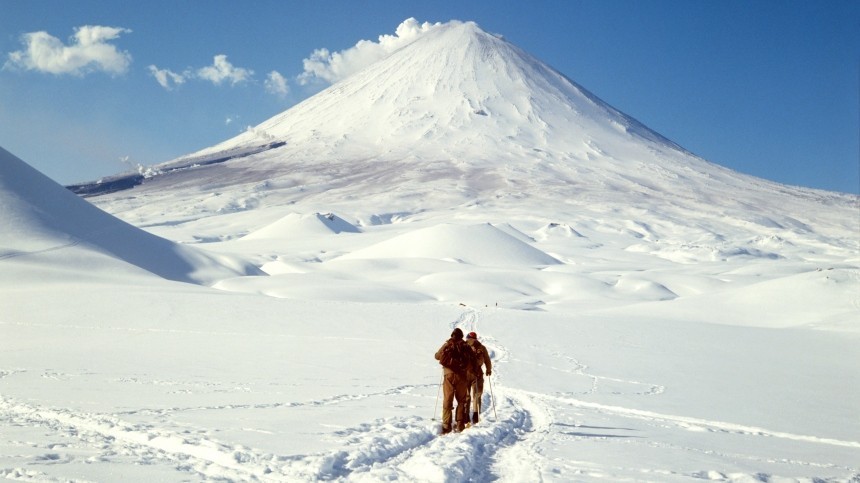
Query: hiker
<point x="476" y="390"/>
<point x="456" y="359"/>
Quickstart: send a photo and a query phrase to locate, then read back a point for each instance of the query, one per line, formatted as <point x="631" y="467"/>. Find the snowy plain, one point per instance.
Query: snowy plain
<point x="273" y="317"/>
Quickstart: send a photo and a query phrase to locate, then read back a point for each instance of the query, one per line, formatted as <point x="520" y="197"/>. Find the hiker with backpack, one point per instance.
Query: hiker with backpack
<point x="457" y="359"/>
<point x="476" y="389"/>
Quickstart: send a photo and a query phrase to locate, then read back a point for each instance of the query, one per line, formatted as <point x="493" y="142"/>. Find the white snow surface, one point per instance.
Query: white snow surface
<point x="650" y="316"/>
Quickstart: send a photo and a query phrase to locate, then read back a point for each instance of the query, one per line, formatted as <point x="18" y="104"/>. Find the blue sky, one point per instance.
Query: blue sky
<point x="768" y="88"/>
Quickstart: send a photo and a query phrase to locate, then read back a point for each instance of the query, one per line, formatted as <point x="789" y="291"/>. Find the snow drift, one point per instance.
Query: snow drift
<point x="296" y="225"/>
<point x="483" y="245"/>
<point x="41" y="218"/>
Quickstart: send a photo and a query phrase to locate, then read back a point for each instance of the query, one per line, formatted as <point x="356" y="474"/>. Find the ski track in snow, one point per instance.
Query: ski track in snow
<point x="381" y="450"/>
<point x="581" y="369"/>
<point x="535" y="411"/>
<point x="146" y="444"/>
<point x="384" y="449"/>
<point x="508" y="445"/>
<point x="694" y="423"/>
<point x="320" y="402"/>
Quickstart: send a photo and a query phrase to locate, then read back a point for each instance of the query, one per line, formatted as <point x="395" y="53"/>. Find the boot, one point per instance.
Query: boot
<point x="475" y="418"/>
<point x="445" y="430"/>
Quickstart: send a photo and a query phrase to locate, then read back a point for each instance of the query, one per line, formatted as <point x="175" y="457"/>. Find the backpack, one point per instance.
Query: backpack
<point x="457" y="356"/>
<point x="479" y="351"/>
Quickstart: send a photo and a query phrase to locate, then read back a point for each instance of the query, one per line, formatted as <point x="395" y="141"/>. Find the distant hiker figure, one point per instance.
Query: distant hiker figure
<point x="482" y="357"/>
<point x="456" y="358"/>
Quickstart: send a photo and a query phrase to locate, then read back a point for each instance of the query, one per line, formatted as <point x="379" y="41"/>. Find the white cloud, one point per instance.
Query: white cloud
<point x="88" y="51"/>
<point x="277" y="84"/>
<point x="167" y="78"/>
<point x="219" y="72"/>
<point x="222" y="70"/>
<point x="332" y="67"/>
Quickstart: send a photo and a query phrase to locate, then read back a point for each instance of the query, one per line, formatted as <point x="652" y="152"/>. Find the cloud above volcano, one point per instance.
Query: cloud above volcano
<point x="331" y="67"/>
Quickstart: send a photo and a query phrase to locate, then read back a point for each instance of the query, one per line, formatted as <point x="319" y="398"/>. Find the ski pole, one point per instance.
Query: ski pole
<point x="437" y="397"/>
<point x="492" y="398"/>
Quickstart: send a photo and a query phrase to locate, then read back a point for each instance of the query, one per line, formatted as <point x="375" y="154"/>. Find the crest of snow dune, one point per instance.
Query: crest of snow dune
<point x="334" y="66"/>
<point x="295" y="225"/>
<point x="482" y="244"/>
<point x="45" y="224"/>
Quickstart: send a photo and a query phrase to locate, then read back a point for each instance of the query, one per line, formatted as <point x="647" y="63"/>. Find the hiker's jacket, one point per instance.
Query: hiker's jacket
<point x="481" y="357"/>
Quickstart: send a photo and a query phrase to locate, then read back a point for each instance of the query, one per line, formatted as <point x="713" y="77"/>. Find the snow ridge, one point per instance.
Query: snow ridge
<point x="48" y="219"/>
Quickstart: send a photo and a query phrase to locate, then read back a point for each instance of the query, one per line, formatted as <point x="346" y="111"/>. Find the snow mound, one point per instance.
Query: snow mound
<point x="551" y="230"/>
<point x="482" y="244"/>
<point x="41" y="219"/>
<point x="298" y="225"/>
<point x="824" y="299"/>
<point x="646" y="289"/>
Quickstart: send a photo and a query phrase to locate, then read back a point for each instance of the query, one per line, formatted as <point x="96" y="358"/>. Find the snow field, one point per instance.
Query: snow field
<point x="273" y="398"/>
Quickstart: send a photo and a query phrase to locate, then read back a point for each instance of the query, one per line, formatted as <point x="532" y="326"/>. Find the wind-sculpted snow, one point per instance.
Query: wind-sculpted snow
<point x="295" y="225"/>
<point x="483" y="245"/>
<point x="46" y="224"/>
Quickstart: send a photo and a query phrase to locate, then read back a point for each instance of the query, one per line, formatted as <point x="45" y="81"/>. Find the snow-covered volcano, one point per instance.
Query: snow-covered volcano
<point x="462" y="120"/>
<point x="459" y="106"/>
<point x="456" y="92"/>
